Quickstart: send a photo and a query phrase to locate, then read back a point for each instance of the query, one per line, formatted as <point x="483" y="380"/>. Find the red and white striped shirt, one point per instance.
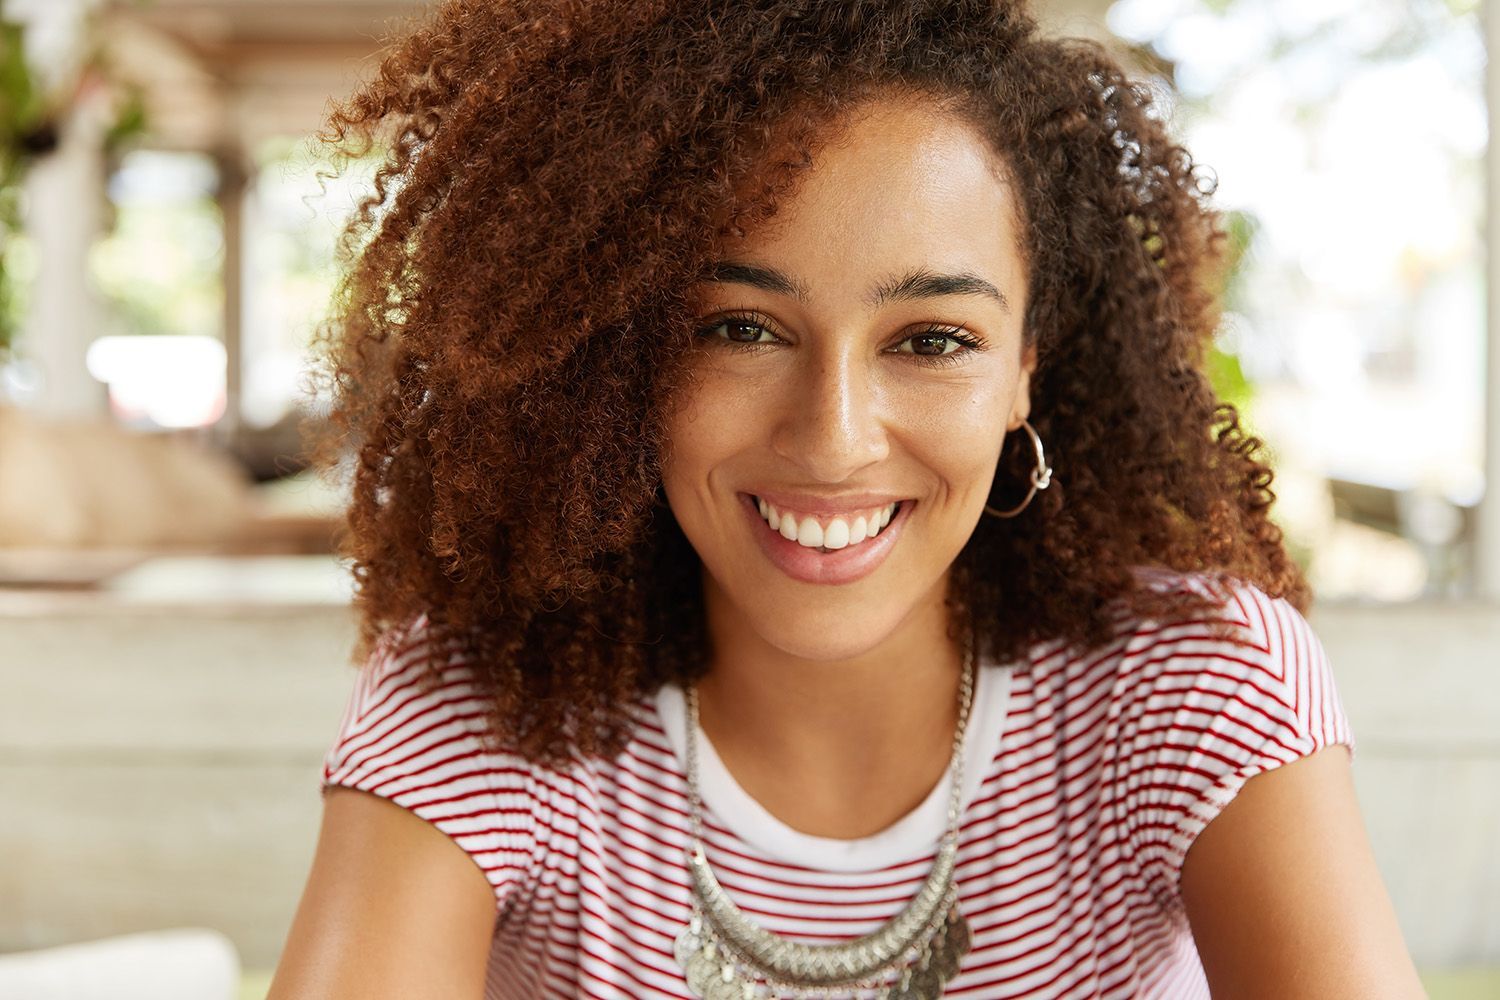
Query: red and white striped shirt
<point x="1086" y="777"/>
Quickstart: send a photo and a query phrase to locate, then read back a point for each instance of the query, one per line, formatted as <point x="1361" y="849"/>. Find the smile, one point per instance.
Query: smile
<point x="830" y="533"/>
<point x="831" y="551"/>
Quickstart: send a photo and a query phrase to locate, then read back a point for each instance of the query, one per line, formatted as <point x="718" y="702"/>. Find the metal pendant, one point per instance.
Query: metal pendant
<point x="704" y="966"/>
<point x="824" y="965"/>
<point x="926" y="978"/>
<point x="714" y="971"/>
<point x="710" y="972"/>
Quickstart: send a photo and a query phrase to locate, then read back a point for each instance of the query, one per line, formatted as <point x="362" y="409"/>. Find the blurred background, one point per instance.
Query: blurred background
<point x="174" y="630"/>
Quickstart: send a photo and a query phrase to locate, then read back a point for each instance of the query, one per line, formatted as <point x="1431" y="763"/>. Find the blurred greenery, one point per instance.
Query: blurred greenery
<point x="30" y="124"/>
<point x="20" y="116"/>
<point x="1224" y="371"/>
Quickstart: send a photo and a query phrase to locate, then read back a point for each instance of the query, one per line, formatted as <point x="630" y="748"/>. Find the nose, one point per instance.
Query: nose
<point x="832" y="420"/>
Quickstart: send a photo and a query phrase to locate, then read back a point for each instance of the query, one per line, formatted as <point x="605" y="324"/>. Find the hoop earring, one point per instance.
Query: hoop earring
<point x="1041" y="476"/>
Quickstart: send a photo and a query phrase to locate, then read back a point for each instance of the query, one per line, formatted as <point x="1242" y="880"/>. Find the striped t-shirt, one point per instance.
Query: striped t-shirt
<point x="1087" y="774"/>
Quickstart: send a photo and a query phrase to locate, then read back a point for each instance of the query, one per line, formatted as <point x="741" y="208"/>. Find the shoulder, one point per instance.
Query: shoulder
<point x="416" y="731"/>
<point x="419" y="722"/>
<point x="1235" y="601"/>
<point x="412" y="693"/>
<point x="1256" y="651"/>
<point x="1239" y="643"/>
<point x="1205" y="702"/>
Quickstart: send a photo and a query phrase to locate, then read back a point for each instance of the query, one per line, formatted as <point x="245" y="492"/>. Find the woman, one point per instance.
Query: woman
<point x="798" y="551"/>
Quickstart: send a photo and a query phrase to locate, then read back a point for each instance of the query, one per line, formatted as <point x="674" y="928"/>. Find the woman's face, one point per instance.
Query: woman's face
<point x="863" y="348"/>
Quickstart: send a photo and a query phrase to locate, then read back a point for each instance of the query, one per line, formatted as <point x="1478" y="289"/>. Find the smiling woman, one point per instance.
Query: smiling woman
<point x="883" y="363"/>
<point x="797" y="548"/>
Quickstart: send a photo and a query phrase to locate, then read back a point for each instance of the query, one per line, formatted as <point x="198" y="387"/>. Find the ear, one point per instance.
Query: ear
<point x="1021" y="408"/>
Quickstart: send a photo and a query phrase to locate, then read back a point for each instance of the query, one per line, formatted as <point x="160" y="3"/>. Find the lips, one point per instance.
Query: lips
<point x="838" y="566"/>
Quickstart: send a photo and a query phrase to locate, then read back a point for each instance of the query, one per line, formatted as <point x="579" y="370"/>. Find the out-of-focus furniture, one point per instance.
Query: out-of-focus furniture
<point x="87" y="486"/>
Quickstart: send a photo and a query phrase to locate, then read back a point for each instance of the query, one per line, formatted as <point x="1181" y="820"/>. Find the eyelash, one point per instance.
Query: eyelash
<point x="761" y="322"/>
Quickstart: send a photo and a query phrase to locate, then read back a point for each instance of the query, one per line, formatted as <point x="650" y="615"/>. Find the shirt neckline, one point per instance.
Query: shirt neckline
<point x="911" y="836"/>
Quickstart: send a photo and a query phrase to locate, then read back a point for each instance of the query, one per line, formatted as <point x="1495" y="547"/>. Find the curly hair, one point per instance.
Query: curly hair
<point x="513" y="326"/>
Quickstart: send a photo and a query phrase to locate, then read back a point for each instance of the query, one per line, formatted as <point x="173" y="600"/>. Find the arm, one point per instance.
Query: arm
<point x="1283" y="895"/>
<point x="392" y="908"/>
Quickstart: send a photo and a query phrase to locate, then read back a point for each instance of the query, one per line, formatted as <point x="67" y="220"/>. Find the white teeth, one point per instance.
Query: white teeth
<point x="809" y="533"/>
<point x="839" y="532"/>
<point x="837" y="535"/>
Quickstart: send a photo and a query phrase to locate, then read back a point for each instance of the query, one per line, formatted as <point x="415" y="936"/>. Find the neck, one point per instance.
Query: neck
<point x="819" y="741"/>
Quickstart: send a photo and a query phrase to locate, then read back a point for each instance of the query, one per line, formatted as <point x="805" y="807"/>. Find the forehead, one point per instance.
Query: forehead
<point x="901" y="186"/>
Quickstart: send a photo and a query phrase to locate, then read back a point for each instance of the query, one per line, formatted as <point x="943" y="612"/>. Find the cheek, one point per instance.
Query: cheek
<point x="959" y="419"/>
<point x="710" y="423"/>
<point x="967" y="451"/>
<point x="960" y="441"/>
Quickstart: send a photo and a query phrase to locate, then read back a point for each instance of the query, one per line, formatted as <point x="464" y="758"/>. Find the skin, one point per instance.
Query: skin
<point x="1284" y="897"/>
<point x="392" y="908"/>
<point x="834" y="706"/>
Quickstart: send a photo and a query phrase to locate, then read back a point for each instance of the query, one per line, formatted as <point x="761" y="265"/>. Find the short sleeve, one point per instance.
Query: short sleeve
<point x="420" y="748"/>
<point x="1204" y="714"/>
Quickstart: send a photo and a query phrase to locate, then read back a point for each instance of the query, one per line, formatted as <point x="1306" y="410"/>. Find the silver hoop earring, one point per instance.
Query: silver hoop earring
<point x="1041" y="476"/>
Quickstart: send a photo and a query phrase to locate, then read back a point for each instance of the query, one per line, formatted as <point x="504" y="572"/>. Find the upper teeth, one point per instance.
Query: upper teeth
<point x="804" y="529"/>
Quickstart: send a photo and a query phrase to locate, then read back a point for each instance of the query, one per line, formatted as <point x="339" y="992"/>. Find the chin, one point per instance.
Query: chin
<point x="821" y="646"/>
<point x="825" y="630"/>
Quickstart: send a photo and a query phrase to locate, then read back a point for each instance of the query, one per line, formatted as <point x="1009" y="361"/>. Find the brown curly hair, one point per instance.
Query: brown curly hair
<point x="514" y="323"/>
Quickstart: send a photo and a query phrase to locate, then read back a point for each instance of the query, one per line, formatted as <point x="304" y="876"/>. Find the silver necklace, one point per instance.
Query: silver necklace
<point x="726" y="956"/>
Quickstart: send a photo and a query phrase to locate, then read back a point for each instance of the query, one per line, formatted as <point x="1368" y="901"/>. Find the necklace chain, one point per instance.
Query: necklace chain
<point x="726" y="955"/>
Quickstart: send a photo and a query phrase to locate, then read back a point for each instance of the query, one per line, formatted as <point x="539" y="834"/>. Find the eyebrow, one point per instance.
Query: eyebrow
<point x="917" y="283"/>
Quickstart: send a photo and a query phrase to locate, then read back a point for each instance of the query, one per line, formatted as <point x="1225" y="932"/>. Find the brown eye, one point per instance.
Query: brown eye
<point x="744" y="331"/>
<point x="931" y="344"/>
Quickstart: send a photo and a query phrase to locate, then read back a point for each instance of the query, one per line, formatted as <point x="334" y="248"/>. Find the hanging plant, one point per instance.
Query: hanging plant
<point x="30" y="127"/>
<point x="24" y="134"/>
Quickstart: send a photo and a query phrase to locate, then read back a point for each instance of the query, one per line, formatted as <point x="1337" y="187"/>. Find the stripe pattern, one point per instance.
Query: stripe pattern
<point x="1110" y="763"/>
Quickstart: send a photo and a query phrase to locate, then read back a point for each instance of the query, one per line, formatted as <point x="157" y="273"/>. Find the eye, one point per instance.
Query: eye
<point x="750" y="330"/>
<point x="739" y="330"/>
<point x="933" y="337"/>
